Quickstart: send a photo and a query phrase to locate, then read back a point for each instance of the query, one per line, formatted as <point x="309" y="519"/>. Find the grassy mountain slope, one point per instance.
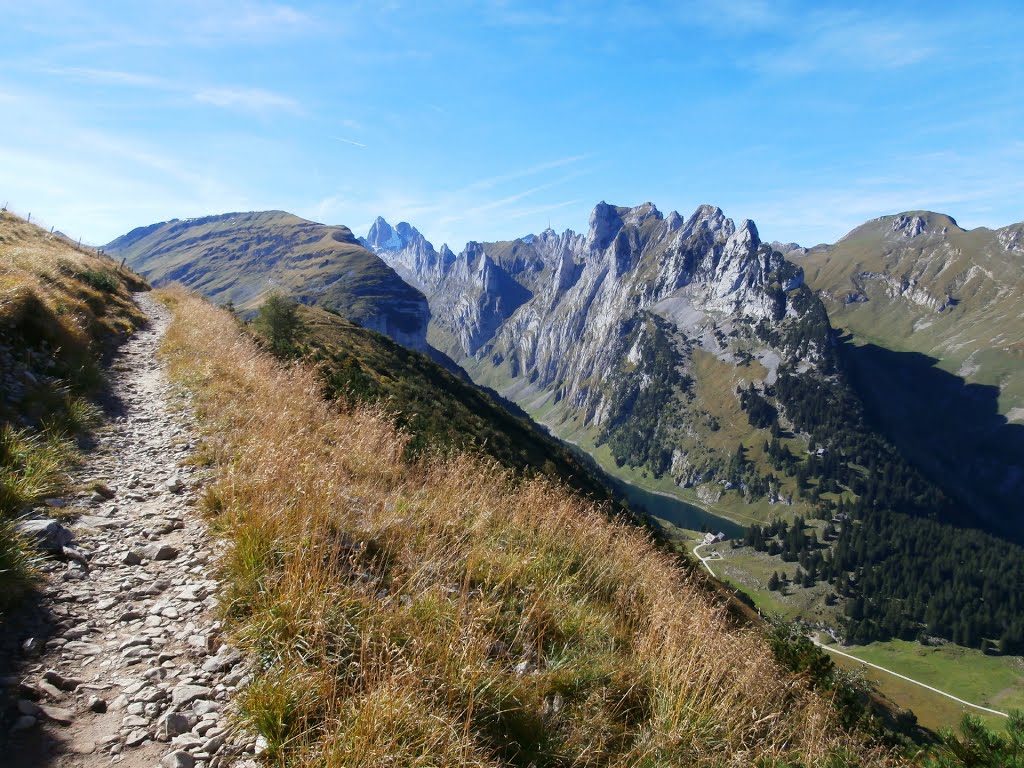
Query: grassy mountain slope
<point x="936" y="322"/>
<point x="61" y="310"/>
<point x="953" y="294"/>
<point x="443" y="613"/>
<point x="240" y="257"/>
<point x="438" y="408"/>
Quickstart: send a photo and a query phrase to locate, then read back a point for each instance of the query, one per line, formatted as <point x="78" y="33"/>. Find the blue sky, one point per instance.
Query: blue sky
<point x="487" y="120"/>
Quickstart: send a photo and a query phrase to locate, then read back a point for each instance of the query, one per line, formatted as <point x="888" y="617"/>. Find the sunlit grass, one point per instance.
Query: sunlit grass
<point x="60" y="310"/>
<point x="444" y="613"/>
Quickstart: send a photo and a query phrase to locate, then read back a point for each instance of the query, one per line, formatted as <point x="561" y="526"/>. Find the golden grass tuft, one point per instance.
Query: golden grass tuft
<point x="42" y="274"/>
<point x="445" y="614"/>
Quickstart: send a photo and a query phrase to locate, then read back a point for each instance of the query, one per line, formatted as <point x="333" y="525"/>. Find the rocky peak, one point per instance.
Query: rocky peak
<point x="472" y="252"/>
<point x="383" y="237"/>
<point x="605" y="223"/>
<point x="708" y="223"/>
<point x="788" y="248"/>
<point x="447" y="254"/>
<point x="1012" y="237"/>
<point x="642" y="213"/>
<point x="908" y="226"/>
<point x="408" y="233"/>
<point x="745" y="237"/>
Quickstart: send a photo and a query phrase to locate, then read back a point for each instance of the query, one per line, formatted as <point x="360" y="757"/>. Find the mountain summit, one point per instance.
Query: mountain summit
<point x="242" y="257"/>
<point x="577" y="320"/>
<point x="382" y="236"/>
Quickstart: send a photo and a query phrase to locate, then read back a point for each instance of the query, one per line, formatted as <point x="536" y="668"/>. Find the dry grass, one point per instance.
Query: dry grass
<point x="60" y="309"/>
<point x="444" y="614"/>
<point x="86" y="292"/>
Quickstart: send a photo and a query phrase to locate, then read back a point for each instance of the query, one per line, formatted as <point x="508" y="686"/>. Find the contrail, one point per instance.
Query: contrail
<point x="349" y="141"/>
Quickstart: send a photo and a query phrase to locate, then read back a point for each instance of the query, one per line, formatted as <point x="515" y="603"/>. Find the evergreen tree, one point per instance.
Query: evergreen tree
<point x="278" y="321"/>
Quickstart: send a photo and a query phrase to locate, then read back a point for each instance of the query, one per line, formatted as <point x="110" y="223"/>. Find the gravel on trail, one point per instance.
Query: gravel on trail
<point x="122" y="659"/>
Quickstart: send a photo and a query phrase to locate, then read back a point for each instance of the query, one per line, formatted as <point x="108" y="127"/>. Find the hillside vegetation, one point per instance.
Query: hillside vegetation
<point x="440" y="612"/>
<point x="242" y="257"/>
<point x="934" y="315"/>
<point x="61" y="310"/>
<point x="438" y="409"/>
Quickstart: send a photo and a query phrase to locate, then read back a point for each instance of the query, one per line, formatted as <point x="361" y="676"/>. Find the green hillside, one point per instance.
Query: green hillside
<point x="239" y="258"/>
<point x="438" y="408"/>
<point x="935" y="323"/>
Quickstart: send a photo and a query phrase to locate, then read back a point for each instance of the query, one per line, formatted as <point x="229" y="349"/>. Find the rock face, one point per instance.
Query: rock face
<point x="569" y="317"/>
<point x="242" y="257"/>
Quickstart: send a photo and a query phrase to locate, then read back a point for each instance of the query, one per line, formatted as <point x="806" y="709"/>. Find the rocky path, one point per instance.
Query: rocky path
<point x="122" y="661"/>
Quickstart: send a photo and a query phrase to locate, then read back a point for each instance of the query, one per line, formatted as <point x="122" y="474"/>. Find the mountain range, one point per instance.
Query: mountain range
<point x="874" y="382"/>
<point x="615" y="331"/>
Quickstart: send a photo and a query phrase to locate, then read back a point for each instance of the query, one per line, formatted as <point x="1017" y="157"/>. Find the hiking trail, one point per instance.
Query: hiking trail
<point x="121" y="660"/>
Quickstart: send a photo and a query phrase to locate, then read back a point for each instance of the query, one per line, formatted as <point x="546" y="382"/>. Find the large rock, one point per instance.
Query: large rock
<point x="48" y="535"/>
<point x="178" y="759"/>
<point x="57" y="714"/>
<point x="173" y="724"/>
<point x="156" y="552"/>
<point x="185" y="694"/>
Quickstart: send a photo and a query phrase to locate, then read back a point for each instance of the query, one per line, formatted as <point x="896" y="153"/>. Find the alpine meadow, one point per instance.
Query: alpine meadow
<point x="511" y="384"/>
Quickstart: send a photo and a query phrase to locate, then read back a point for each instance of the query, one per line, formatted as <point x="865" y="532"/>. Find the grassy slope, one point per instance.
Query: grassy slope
<point x="989" y="680"/>
<point x="445" y="614"/>
<point x="61" y="310"/>
<point x="984" y="330"/>
<point x="437" y="407"/>
<point x="242" y="256"/>
<point x="911" y="362"/>
<point x="992" y="681"/>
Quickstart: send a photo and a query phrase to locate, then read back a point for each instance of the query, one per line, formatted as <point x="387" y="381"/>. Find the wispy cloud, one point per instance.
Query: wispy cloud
<point x="845" y="41"/>
<point x="249" y="22"/>
<point x="466" y="213"/>
<point x="737" y="15"/>
<point x="242" y="98"/>
<point x="523" y="213"/>
<point x="250" y="99"/>
<point x="522" y="173"/>
<point x="55" y="164"/>
<point x="110" y="76"/>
